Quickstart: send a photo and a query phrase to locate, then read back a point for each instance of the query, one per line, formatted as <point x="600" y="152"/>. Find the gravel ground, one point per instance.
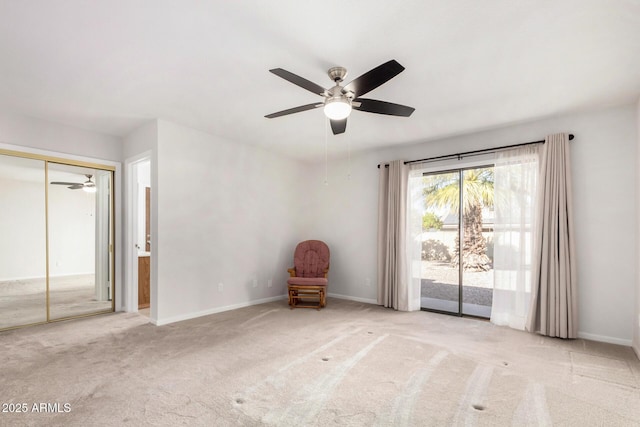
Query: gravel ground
<point x="440" y="281"/>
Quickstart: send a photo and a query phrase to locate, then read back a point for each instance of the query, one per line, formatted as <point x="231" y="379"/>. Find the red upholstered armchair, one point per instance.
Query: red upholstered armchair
<point x="308" y="281"/>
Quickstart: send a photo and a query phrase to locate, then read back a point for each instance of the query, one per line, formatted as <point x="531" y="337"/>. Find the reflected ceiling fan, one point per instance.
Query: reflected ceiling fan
<point x="340" y="100"/>
<point x="88" y="186"/>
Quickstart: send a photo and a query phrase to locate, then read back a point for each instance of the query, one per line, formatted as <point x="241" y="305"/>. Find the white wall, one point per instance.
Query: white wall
<point x="22" y="230"/>
<point x="636" y="318"/>
<point x="604" y="156"/>
<point x="72" y="231"/>
<point x="35" y="133"/>
<point x="226" y="213"/>
<point x="140" y="140"/>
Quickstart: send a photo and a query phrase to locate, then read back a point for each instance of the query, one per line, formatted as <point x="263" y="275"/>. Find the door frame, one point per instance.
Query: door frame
<point x="104" y="241"/>
<point x="132" y="211"/>
<point x="458" y="166"/>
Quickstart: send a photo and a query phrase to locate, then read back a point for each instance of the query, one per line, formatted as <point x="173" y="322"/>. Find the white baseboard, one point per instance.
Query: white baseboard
<point x="603" y="338"/>
<point x="214" y="310"/>
<point x="636" y="349"/>
<point x="350" y="298"/>
<point x="13" y="279"/>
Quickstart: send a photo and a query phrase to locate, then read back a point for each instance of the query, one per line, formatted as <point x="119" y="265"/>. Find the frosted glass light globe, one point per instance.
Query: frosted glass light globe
<point x="337" y="108"/>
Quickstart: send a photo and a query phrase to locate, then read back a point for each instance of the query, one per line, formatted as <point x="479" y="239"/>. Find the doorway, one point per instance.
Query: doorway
<point x="139" y="238"/>
<point x="456" y="271"/>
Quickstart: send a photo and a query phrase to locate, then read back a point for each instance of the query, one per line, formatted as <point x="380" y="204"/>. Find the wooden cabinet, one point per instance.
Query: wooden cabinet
<point x="144" y="282"/>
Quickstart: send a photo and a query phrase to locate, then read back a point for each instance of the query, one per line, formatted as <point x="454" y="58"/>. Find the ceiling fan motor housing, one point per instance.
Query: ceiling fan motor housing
<point x="337" y="74"/>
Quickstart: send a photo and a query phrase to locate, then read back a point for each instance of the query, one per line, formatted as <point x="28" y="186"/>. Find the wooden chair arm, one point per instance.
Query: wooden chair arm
<point x="292" y="272"/>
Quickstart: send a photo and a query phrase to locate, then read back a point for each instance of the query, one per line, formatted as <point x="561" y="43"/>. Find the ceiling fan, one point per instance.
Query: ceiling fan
<point x="88" y="186"/>
<point x="340" y="100"/>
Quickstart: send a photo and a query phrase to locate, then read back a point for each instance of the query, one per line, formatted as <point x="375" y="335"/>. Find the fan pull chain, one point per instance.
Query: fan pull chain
<point x="326" y="151"/>
<point x="349" y="157"/>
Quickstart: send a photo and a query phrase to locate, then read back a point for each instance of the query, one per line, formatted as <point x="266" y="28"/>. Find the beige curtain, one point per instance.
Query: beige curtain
<point x="515" y="201"/>
<point x="392" y="225"/>
<point x="554" y="304"/>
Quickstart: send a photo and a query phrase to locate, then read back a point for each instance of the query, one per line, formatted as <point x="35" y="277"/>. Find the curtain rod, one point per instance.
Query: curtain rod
<point x="473" y="153"/>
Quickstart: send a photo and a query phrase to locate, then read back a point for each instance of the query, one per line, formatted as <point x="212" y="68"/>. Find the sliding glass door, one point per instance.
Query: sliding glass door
<point x="440" y="278"/>
<point x="56" y="250"/>
<point x="456" y="267"/>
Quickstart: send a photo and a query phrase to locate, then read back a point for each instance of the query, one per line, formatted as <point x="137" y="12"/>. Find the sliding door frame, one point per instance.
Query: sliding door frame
<point x="460" y="171"/>
<point x="47" y="159"/>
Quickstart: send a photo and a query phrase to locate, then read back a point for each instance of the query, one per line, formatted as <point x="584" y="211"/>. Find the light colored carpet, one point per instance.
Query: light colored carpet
<point x="23" y="302"/>
<point x="348" y="364"/>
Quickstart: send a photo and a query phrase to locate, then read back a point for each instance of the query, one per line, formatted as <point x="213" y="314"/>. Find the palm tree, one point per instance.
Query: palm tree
<point x="442" y="192"/>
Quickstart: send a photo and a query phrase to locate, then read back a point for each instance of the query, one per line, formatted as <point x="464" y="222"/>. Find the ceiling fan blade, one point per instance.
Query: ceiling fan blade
<point x="65" y="183"/>
<point x="294" y="110"/>
<point x="299" y="81"/>
<point x="374" y="78"/>
<point x="382" y="107"/>
<point x="338" y="126"/>
<point x="76" y="186"/>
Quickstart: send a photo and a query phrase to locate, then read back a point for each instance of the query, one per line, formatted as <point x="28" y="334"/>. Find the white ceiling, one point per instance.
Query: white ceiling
<point x="112" y="65"/>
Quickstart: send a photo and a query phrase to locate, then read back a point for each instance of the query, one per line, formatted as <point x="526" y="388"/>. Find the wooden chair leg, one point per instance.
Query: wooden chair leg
<point x="291" y="294"/>
<point x="299" y="297"/>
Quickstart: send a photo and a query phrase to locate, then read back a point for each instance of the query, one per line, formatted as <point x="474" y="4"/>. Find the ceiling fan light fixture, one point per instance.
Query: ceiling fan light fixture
<point x="89" y="186"/>
<point x="337" y="108"/>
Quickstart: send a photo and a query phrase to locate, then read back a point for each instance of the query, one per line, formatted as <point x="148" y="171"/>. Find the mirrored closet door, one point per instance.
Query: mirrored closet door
<point x="56" y="254"/>
<point x="23" y="297"/>
<point x="78" y="240"/>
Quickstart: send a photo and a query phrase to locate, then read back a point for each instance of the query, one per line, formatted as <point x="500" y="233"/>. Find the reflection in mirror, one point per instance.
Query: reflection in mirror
<point x="79" y="238"/>
<point x="22" y="242"/>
